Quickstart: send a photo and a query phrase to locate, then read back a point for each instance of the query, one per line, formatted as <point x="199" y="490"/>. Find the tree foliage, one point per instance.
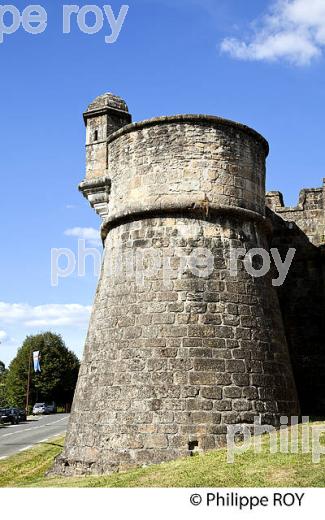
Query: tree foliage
<point x="3" y="375"/>
<point x="58" y="376"/>
<point x="2" y="368"/>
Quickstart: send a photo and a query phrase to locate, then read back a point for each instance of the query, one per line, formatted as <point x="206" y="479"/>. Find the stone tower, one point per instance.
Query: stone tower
<point x="177" y="348"/>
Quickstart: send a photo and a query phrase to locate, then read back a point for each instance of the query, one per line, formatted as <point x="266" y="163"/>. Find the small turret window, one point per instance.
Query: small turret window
<point x="96" y="135"/>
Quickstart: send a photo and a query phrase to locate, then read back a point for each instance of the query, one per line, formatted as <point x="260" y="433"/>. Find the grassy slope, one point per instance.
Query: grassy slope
<point x="209" y="470"/>
<point x="29" y="466"/>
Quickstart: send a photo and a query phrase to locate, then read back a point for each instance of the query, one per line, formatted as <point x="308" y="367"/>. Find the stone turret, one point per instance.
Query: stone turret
<point x="174" y="353"/>
<point x="104" y="116"/>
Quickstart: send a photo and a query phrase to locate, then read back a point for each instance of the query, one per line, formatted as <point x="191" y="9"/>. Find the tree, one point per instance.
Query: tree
<point x="58" y="376"/>
<point x="2" y="368"/>
<point x="3" y="374"/>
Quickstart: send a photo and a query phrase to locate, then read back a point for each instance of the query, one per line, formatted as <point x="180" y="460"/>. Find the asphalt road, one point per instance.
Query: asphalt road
<point x="23" y="436"/>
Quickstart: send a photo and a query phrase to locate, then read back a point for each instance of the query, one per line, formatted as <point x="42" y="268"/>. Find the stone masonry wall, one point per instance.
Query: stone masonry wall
<point x="302" y="296"/>
<point x="308" y="215"/>
<point x="169" y="364"/>
<point x="181" y="161"/>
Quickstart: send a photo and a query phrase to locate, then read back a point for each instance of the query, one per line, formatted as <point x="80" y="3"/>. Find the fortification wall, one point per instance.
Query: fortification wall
<point x="302" y="296"/>
<point x="308" y="215"/>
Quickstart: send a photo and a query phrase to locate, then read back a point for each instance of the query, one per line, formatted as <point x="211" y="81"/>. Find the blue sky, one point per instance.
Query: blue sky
<point x="257" y="62"/>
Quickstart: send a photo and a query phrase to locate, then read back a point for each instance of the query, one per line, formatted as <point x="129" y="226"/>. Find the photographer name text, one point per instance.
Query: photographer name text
<point x="88" y="19"/>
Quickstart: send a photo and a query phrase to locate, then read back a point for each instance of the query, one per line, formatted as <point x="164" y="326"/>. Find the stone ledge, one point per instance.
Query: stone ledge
<point x="105" y="110"/>
<point x="192" y="210"/>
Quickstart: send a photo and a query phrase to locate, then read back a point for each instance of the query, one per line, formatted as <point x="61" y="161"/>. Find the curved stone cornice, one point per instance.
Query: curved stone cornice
<point x="190" y="118"/>
<point x="202" y="210"/>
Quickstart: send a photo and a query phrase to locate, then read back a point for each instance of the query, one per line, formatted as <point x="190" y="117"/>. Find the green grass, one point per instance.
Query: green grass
<point x="26" y="468"/>
<point x="250" y="469"/>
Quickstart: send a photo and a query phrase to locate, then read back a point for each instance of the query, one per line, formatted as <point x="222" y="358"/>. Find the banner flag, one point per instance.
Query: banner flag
<point x="36" y="359"/>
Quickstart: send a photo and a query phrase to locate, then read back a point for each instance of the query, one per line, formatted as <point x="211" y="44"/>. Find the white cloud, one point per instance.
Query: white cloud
<point x="3" y="335"/>
<point x="17" y="320"/>
<point x="6" y="340"/>
<point x="292" y="30"/>
<point x="45" y="315"/>
<point x="84" y="233"/>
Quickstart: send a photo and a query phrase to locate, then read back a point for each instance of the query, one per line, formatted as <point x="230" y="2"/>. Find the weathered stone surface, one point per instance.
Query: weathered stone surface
<point x="170" y="361"/>
<point x="302" y="296"/>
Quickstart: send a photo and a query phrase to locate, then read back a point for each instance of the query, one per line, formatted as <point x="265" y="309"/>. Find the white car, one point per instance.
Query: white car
<point x="39" y="408"/>
<point x="43" y="408"/>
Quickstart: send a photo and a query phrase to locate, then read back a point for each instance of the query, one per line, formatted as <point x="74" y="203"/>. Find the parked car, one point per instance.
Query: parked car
<point x="3" y="415"/>
<point x="14" y="412"/>
<point x="9" y="415"/>
<point x="39" y="408"/>
<point x="43" y="408"/>
<point x="22" y="415"/>
<point x="51" y="408"/>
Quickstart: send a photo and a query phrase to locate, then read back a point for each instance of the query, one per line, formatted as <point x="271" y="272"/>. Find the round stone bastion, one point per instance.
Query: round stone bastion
<point x="183" y="341"/>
